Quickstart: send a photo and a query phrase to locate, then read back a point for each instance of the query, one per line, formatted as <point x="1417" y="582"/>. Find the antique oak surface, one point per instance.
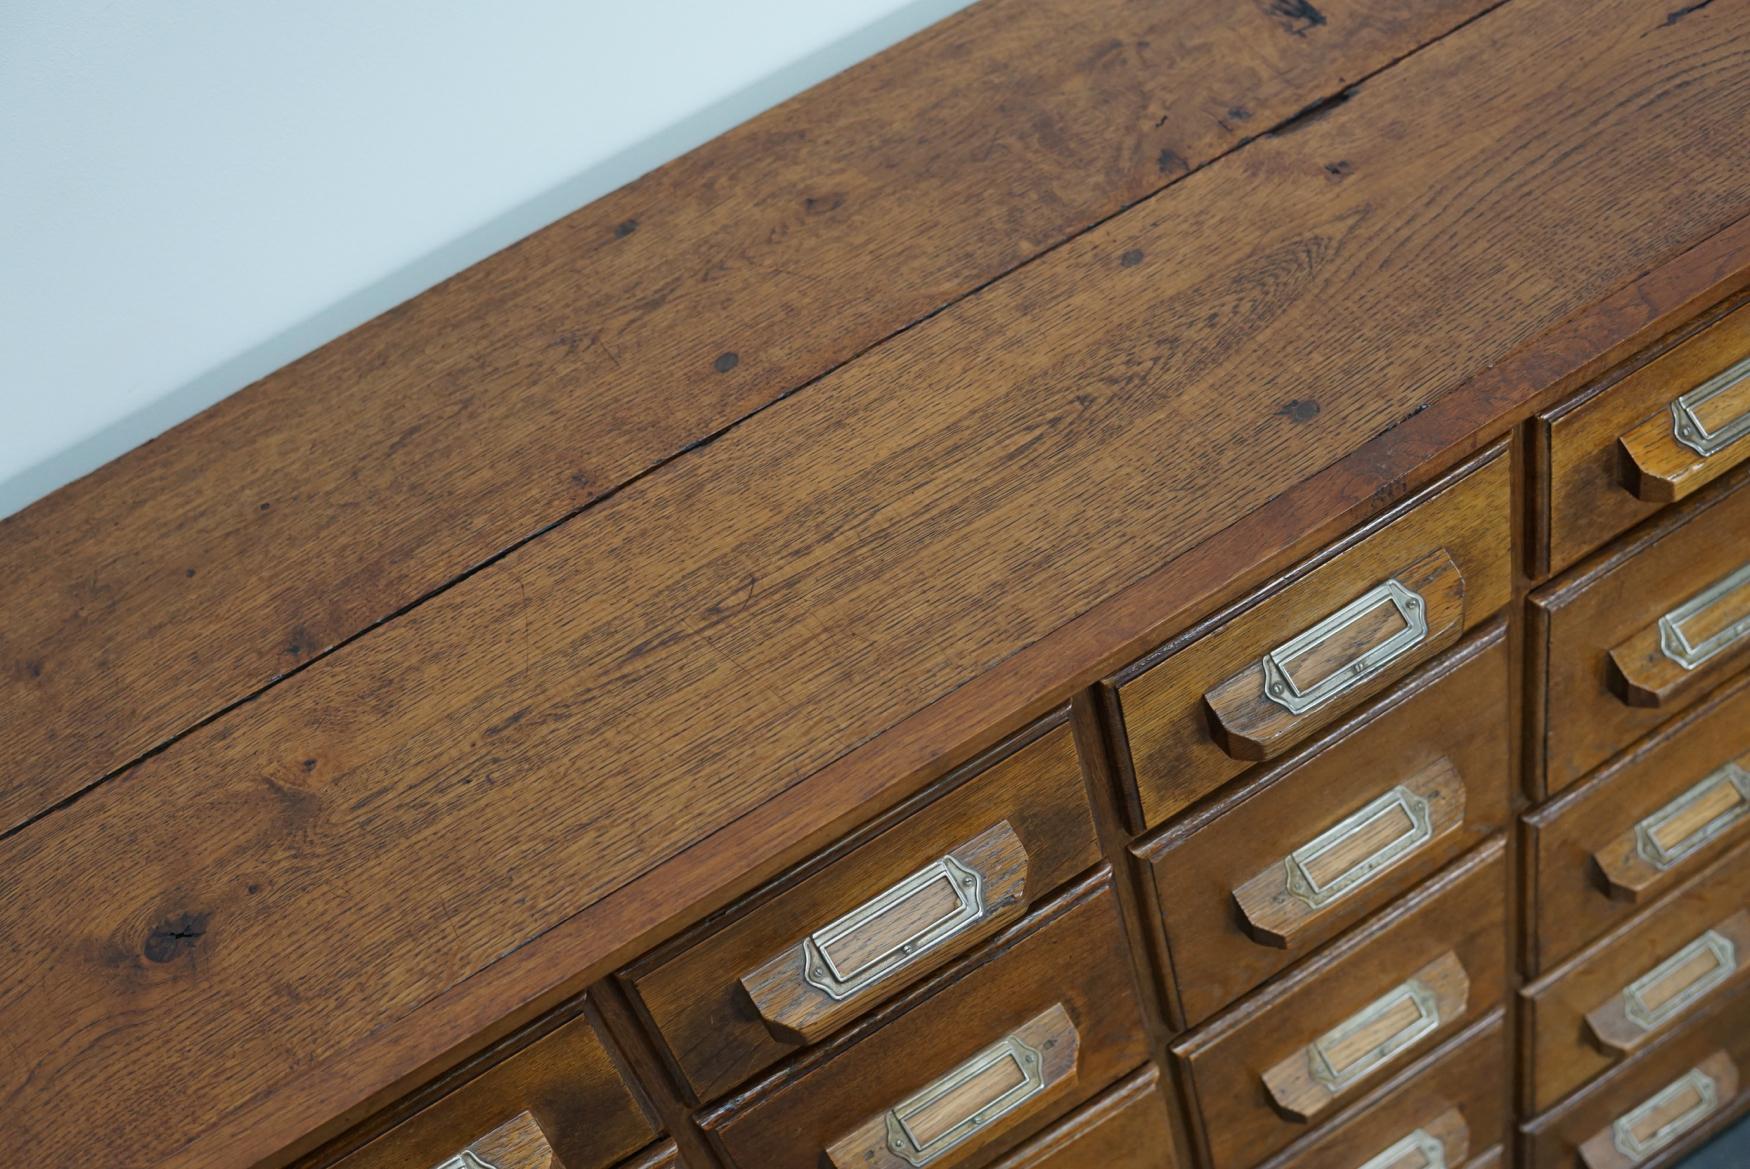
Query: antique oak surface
<point x="360" y="721"/>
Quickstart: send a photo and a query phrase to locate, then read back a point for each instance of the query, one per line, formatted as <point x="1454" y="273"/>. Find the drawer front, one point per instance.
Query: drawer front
<point x="1655" y="1109"/>
<point x="560" y="1101"/>
<point x="1649" y="438"/>
<point x="1642" y="826"/>
<point x="1641" y="636"/>
<point x="1129" y="1127"/>
<point x="819" y="949"/>
<point x="1040" y="1022"/>
<point x="1311" y="847"/>
<point x="1269" y="1070"/>
<point x="1449" y="1114"/>
<point x="1685" y="953"/>
<point x="1257" y="680"/>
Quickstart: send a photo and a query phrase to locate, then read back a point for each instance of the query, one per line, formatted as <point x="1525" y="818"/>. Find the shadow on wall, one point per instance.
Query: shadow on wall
<point x="524" y="219"/>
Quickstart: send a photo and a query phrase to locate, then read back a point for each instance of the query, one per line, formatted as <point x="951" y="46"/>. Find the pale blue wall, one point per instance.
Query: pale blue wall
<point x="194" y="192"/>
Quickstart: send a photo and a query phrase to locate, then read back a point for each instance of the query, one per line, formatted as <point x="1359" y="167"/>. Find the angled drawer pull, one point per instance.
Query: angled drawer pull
<point x="1627" y="1021"/>
<point x="1279" y="903"/>
<point x="1663" y="840"/>
<point x="1673" y="454"/>
<point x="809" y="990"/>
<point x="1293" y="688"/>
<point x="1665" y="1117"/>
<point x="1002" y="1082"/>
<point x="1443" y="1143"/>
<point x="1419" y="1150"/>
<point x="1655" y="667"/>
<point x="1709" y="623"/>
<point x="1715" y="414"/>
<point x="1307" y="1084"/>
<point x="518" y="1143"/>
<point x="1346" y="648"/>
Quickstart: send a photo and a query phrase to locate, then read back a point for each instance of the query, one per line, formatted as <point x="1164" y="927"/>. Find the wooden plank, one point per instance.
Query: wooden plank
<point x="397" y="834"/>
<point x="251" y="540"/>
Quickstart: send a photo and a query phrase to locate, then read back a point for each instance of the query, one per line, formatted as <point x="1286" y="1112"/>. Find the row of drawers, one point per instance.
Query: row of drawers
<point x="1321" y="774"/>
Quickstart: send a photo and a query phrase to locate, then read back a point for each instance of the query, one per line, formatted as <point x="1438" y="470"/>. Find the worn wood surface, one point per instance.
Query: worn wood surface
<point x="1173" y="708"/>
<point x="1454" y="1098"/>
<point x="1453" y="713"/>
<point x="327" y="497"/>
<point x="690" y="990"/>
<point x="1456" y="919"/>
<point x="1128" y="1128"/>
<point x="1573" y="1028"/>
<point x="1583" y="847"/>
<point x="1070" y="955"/>
<point x="397" y="782"/>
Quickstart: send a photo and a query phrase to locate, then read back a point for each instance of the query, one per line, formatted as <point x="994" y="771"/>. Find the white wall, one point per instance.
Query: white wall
<point x="194" y="192"/>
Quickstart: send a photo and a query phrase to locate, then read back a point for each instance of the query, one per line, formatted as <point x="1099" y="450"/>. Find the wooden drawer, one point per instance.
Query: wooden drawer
<point x="1129" y="1127"/>
<point x="1641" y="826"/>
<point x="1038" y="1022"/>
<point x="1613" y="456"/>
<point x="663" y="1156"/>
<point x="1381" y="997"/>
<point x="1335" y="633"/>
<point x="560" y="1100"/>
<point x="1608" y="638"/>
<point x="1620" y="994"/>
<point x="739" y="995"/>
<point x="1452" y="1111"/>
<point x="1666" y="1101"/>
<point x="1310" y="847"/>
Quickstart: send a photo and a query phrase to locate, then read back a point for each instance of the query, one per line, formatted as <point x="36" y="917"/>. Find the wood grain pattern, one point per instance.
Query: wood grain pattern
<point x="1660" y="469"/>
<point x="1274" y="913"/>
<point x="1590" y="497"/>
<point x="1176" y="753"/>
<point x="1128" y="1128"/>
<point x="1069" y="954"/>
<point x="1581" y="717"/>
<point x="1376" y="1039"/>
<point x="327" y="497"/>
<point x="518" y="1143"/>
<point x="560" y="1097"/>
<point x="1718" y="1044"/>
<point x="1572" y="1031"/>
<point x="1663" y="1119"/>
<point x="1454" y="710"/>
<point x="1455" y="1098"/>
<point x="946" y="1119"/>
<point x="1583" y="846"/>
<point x="1249" y="726"/>
<point x="386" y="747"/>
<point x="1707" y="964"/>
<point x="690" y="990"/>
<point x="796" y="1011"/>
<point x="1460" y="913"/>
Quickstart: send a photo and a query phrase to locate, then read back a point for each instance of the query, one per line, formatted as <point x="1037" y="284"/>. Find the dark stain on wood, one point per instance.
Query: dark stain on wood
<point x="1295" y="16"/>
<point x="174" y="936"/>
<point x="625" y="228"/>
<point x="1300" y="410"/>
<point x="726" y="362"/>
<point x="1678" y="14"/>
<point x="1131" y="258"/>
